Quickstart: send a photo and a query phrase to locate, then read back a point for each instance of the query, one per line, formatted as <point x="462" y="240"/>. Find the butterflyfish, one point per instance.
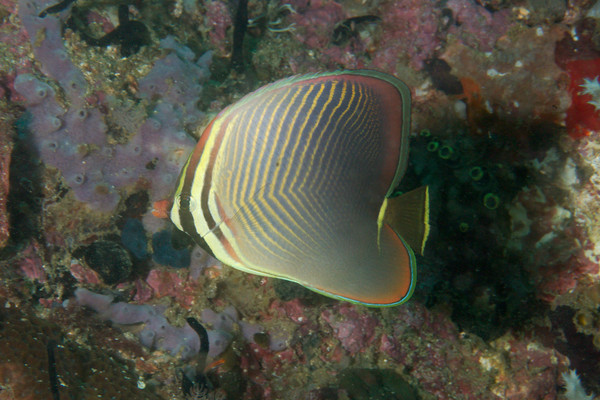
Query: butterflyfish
<point x="296" y="181"/>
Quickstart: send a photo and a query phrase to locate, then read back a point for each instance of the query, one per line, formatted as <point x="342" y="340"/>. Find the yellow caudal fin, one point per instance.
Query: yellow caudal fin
<point x="408" y="215"/>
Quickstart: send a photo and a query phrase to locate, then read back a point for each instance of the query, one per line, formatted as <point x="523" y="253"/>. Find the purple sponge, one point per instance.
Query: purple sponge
<point x="75" y="140"/>
<point x="45" y="35"/>
<point x="157" y="333"/>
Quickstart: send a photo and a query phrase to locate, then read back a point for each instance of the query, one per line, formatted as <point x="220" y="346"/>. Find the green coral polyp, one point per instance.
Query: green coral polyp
<point x="491" y="201"/>
<point x="476" y="173"/>
<point x="445" y="152"/>
<point x="433" y="146"/>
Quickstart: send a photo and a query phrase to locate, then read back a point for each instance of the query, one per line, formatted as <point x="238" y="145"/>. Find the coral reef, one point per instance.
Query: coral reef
<point x="39" y="362"/>
<point x="573" y="389"/>
<point x="109" y="260"/>
<point x="157" y="332"/>
<point x="95" y="128"/>
<point x="582" y="115"/>
<point x="165" y="254"/>
<point x="6" y="146"/>
<point x="93" y="167"/>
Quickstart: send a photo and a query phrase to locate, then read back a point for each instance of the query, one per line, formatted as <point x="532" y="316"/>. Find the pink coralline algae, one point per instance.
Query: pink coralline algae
<point x="258" y="364"/>
<point x="448" y="366"/>
<point x="219" y="18"/>
<point x="315" y="21"/>
<point x="13" y="38"/>
<point x="169" y="284"/>
<point x="355" y="330"/>
<point x="533" y="368"/>
<point x="443" y="361"/>
<point x="293" y="309"/>
<point x="6" y="146"/>
<point x="84" y="274"/>
<point x="31" y="264"/>
<point x="476" y="26"/>
<point x="410" y="34"/>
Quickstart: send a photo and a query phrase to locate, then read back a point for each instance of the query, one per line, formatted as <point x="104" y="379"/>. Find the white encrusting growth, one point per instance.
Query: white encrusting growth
<point x="573" y="388"/>
<point x="592" y="87"/>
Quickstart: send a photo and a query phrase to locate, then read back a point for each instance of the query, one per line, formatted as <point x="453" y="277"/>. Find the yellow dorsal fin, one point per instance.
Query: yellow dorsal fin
<point x="408" y="215"/>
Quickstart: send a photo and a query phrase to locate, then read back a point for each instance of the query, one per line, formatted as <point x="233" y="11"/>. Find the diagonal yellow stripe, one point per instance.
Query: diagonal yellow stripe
<point x="246" y="195"/>
<point x="277" y="153"/>
<point x="306" y="166"/>
<point x="318" y="149"/>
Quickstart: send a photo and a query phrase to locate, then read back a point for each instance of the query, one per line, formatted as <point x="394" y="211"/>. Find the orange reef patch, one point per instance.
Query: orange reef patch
<point x="582" y="116"/>
<point x="161" y="208"/>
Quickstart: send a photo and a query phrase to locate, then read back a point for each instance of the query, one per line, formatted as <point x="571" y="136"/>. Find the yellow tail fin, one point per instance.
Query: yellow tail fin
<point x="408" y="215"/>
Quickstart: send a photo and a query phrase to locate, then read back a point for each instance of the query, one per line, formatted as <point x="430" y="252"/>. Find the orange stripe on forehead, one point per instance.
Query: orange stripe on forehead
<point x="208" y="177"/>
<point x="195" y="159"/>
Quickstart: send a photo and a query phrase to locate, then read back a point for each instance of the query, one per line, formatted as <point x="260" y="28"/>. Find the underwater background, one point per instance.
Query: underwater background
<point x="101" y="297"/>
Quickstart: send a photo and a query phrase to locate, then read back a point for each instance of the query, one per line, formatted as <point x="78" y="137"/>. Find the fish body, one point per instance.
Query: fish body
<point x="294" y="181"/>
